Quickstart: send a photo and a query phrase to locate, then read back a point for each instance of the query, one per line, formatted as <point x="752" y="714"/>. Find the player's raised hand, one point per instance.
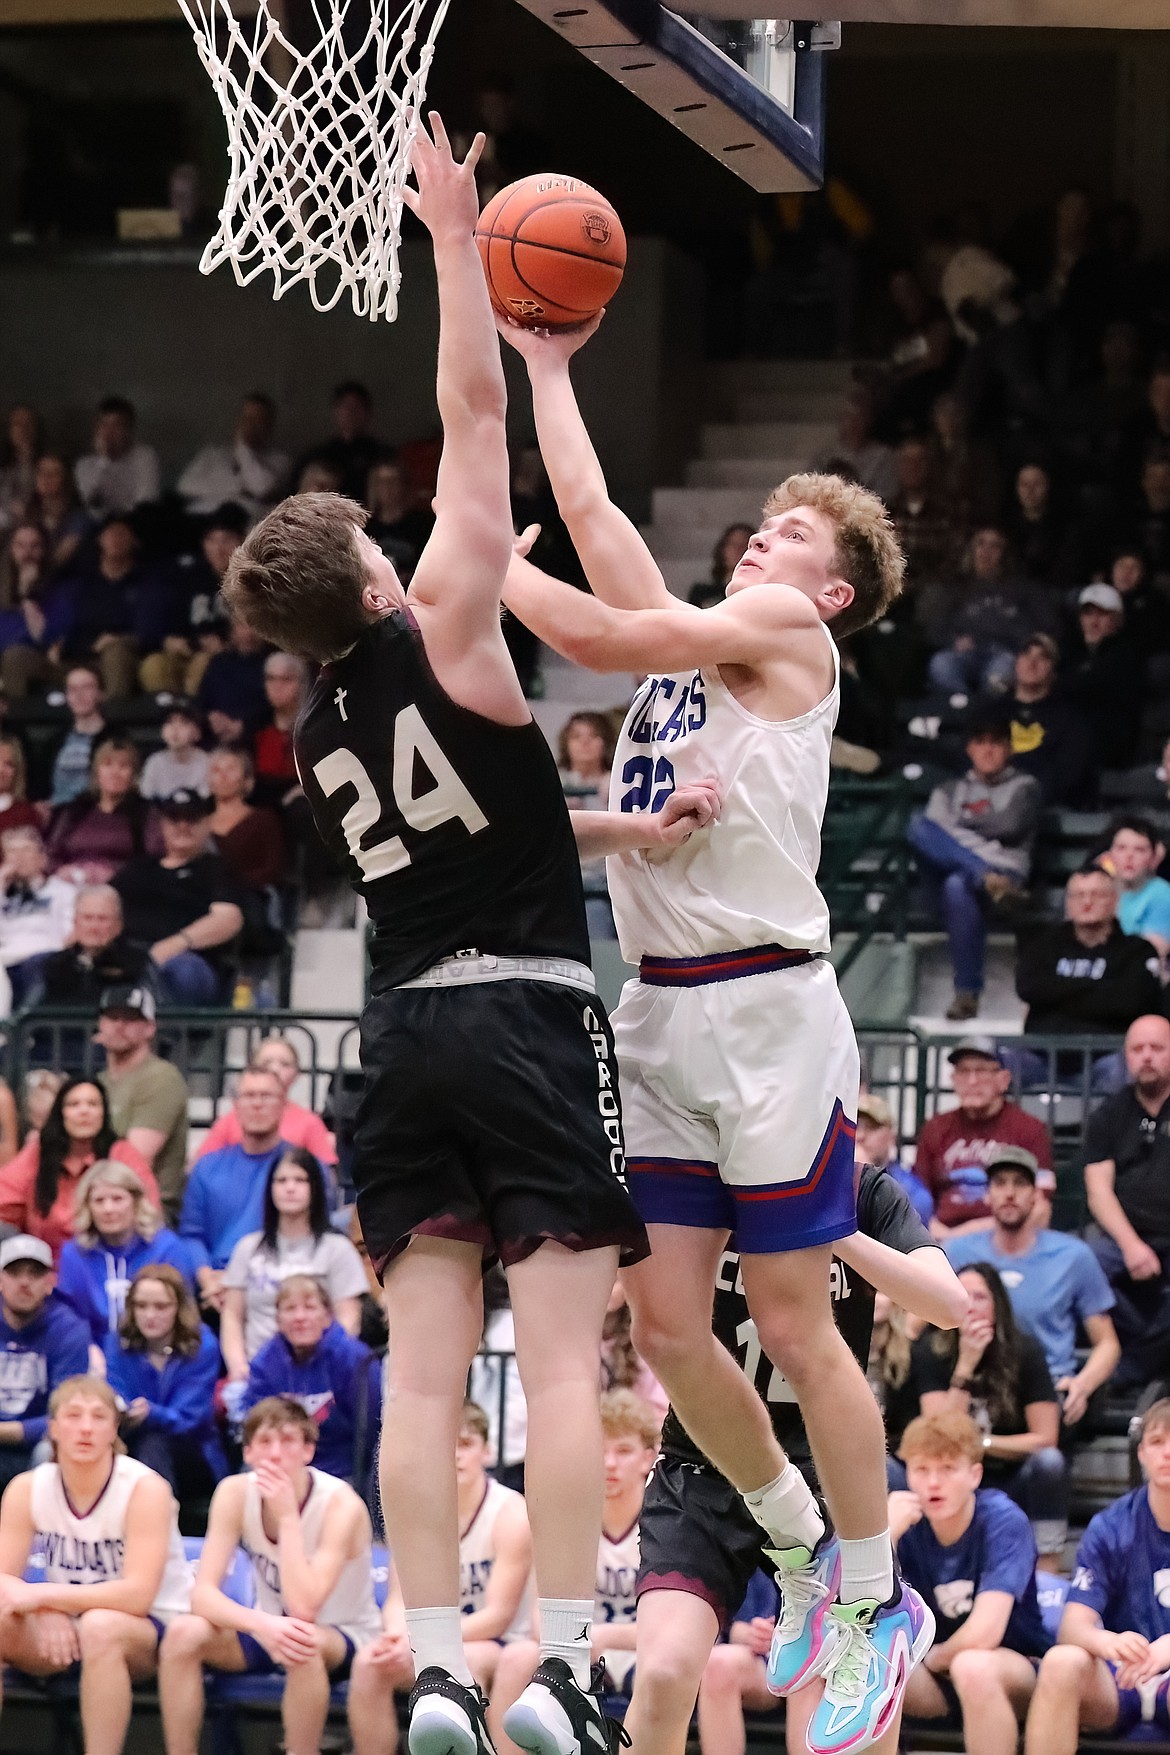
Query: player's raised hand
<point x="539" y="347"/>
<point x="445" y="198"/>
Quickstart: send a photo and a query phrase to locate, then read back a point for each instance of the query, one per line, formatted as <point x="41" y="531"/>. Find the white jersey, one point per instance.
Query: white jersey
<point x="477" y="1553"/>
<point x="751" y="878"/>
<point x="614" y="1593"/>
<point x="350" y="1605"/>
<point x="91" y="1548"/>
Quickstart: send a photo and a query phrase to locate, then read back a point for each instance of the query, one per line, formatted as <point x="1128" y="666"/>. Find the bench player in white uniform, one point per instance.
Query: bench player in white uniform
<point x="308" y="1537"/>
<point x="738" y="1060"/>
<point x="107" y="1530"/>
<point x="631" y="1428"/>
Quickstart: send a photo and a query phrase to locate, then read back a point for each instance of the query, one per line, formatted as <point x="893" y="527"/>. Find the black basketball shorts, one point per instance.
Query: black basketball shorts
<point x="491" y="1115"/>
<point x="696" y="1535"/>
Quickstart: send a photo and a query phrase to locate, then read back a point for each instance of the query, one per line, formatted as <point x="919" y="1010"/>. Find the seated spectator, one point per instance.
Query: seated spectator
<point x="23" y="444"/>
<point x="584" y="755"/>
<point x="109" y="824"/>
<point x="286" y="684"/>
<point x="921" y="517"/>
<point x="974" y="846"/>
<point x="183" y="907"/>
<point x="955" y="1145"/>
<point x="1050" y="737"/>
<point x="1103" y="680"/>
<point x="24" y="574"/>
<point x="353" y="450"/>
<point x="313" y="1360"/>
<point x="120" y="472"/>
<point x="1038" y="533"/>
<point x="296" y="1238"/>
<point x="114" y="1568"/>
<point x="164" y="1363"/>
<point x="969" y="1553"/>
<point x="1147" y="607"/>
<point x="1086" y="976"/>
<point x="247" y="837"/>
<point x="198" y="612"/>
<point x="399" y="526"/>
<point x="965" y="469"/>
<point x="224" y="1197"/>
<point x="84" y="694"/>
<point x="1143" y="905"/>
<point x="36" y="912"/>
<point x="181" y="766"/>
<point x="622" y="1366"/>
<point x="1147" y="787"/>
<point x="995" y="1371"/>
<point x="248" y="472"/>
<point x="116" y="1231"/>
<point x="1111" y="1670"/>
<point x="16" y="810"/>
<point x="55" y="507"/>
<point x="231" y="691"/>
<point x="36" y="614"/>
<point x="729" y="551"/>
<point x="735" y="1679"/>
<point x="308" y="1539"/>
<point x="116" y="607"/>
<point x="875" y="1144"/>
<point x="374" y="1328"/>
<point x="38" y="1187"/>
<point x="1054" y="1281"/>
<point x="147" y="1095"/>
<point x="1127" y="1185"/>
<point x="868" y="460"/>
<point x="1147" y="528"/>
<point x="98" y="954"/>
<point x="317" y="477"/>
<point x="981" y="622"/>
<point x="298" y="1126"/>
<point x="888" y="1370"/>
<point x="43" y="1342"/>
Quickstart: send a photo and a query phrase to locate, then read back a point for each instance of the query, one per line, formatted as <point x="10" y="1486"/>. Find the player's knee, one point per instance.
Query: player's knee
<point x="1064" y="1667"/>
<point x="662" y="1336"/>
<point x="667" y="1678"/>
<point x="186" y="1637"/>
<point x="723" y="1675"/>
<point x="974" y="1673"/>
<point x="100" y="1632"/>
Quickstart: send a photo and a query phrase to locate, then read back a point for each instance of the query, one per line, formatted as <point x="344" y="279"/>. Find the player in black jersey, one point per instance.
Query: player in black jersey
<point x="700" y="1544"/>
<point x="490" y="1122"/>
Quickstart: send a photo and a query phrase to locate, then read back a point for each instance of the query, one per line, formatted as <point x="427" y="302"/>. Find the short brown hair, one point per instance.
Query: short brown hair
<point x="278" y="1411"/>
<point x="1156" y="1416"/>
<point x="297" y="579"/>
<point x="473" y="1419"/>
<point x="942" y="1435"/>
<point x="869" y="555"/>
<point x="626" y="1415"/>
<point x="295" y="1283"/>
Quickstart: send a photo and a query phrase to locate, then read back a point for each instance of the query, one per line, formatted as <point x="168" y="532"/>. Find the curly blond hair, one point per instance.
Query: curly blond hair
<point x="869" y="556"/>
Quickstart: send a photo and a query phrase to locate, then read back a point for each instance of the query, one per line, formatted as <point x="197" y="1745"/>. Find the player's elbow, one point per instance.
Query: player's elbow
<point x="948" y="1302"/>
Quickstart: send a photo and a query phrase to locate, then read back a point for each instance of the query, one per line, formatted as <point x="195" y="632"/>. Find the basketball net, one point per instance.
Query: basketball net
<point x="319" y="141"/>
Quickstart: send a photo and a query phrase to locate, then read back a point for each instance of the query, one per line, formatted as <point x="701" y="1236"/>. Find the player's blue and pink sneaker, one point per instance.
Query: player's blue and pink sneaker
<point x="807" y="1583"/>
<point x="873" y="1648"/>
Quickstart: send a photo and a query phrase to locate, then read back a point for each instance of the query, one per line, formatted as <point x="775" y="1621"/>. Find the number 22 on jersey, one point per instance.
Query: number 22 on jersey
<point x="448" y="800"/>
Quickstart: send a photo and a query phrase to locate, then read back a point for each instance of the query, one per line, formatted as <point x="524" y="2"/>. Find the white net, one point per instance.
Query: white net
<point x="319" y="139"/>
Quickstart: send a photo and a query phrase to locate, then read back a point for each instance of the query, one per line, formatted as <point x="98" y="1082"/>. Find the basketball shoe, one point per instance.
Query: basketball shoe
<point x="555" y="1716"/>
<point x="807" y="1583"/>
<point x="446" y="1718"/>
<point x="875" y="1647"/>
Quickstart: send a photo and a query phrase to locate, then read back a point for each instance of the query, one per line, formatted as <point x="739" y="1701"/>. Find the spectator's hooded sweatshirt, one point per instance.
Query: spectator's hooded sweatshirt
<point x="35" y="1359"/>
<point x="339" y="1384"/>
<point x="1073" y="989"/>
<point x="996" y="819"/>
<point x="94" y="1282"/>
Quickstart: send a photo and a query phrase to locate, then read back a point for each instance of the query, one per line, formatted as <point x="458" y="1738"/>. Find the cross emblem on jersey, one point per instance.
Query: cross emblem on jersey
<point x="339" y="702"/>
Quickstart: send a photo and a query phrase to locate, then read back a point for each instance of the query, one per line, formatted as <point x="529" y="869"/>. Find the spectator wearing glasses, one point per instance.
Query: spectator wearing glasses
<point x="224" y="1197"/>
<point x="298" y="1126"/>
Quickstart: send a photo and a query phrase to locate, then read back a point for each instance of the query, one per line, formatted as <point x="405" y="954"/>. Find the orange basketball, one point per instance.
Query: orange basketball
<point x="553" y="250"/>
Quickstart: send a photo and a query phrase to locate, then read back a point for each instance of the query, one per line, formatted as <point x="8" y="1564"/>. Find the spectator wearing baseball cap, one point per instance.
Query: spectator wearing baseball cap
<point x="876" y="1144"/>
<point x="1051" y="739"/>
<point x="956" y="1145"/>
<point x="42" y="1343"/>
<point x="1053" y="1280"/>
<point x="147" y="1095"/>
<point x="1105" y="679"/>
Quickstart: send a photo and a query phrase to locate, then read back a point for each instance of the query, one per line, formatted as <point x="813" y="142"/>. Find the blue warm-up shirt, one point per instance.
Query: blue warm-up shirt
<point x="996" y="1551"/>
<point x="1123" y="1568"/>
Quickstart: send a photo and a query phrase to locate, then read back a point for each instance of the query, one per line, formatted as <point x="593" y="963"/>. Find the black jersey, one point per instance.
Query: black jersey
<point x="452" y="827"/>
<point x="883" y="1212"/>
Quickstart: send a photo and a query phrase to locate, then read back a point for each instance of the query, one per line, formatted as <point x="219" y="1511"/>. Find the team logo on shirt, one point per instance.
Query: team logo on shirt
<point x="956" y="1599"/>
<point x="1082" y="1578"/>
<point x="1162" y="1586"/>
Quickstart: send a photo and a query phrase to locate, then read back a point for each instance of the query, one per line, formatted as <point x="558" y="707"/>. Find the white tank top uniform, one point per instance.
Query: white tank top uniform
<point x="477" y="1556"/>
<point x="739" y="1064"/>
<point x="91" y="1548"/>
<point x="350" y="1605"/>
<point x="615" y="1598"/>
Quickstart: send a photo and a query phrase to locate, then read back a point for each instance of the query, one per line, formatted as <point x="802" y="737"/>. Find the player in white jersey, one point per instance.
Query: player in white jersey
<point x="308" y="1537"/>
<point x="106" y="1529"/>
<point x="631" y="1427"/>
<point x="495" y="1577"/>
<point x="738" y="1063"/>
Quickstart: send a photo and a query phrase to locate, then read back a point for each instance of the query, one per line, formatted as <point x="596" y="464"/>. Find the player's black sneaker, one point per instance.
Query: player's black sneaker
<point x="446" y="1718"/>
<point x="555" y="1716"/>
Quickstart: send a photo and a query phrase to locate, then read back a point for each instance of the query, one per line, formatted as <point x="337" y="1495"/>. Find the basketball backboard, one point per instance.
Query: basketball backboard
<point x="749" y="91"/>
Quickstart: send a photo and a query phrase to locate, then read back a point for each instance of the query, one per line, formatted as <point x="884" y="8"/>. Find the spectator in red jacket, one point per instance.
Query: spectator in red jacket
<point x="955" y="1146"/>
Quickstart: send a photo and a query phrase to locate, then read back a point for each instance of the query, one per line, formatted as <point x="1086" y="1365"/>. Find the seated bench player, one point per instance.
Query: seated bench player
<point x="309" y="1540"/>
<point x="1111" y="1670"/>
<point x="631" y="1429"/>
<point x="970" y="1554"/>
<point x="115" y="1572"/>
<point x="495" y="1576"/>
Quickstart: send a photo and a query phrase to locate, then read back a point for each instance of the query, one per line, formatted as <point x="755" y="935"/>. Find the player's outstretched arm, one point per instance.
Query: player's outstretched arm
<point x="461" y="570"/>
<point x="923" y="1282"/>
<point x="617" y="562"/>
<point x="689" y="808"/>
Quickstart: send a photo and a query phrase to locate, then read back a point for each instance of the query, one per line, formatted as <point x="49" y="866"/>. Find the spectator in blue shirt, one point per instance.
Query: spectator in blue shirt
<point x="970" y="1555"/>
<point x="1054" y="1281"/>
<point x="1110" y="1672"/>
<point x="84" y="695"/>
<point x="335" y="1378"/>
<point x="117" y="1230"/>
<point x="224" y="1197"/>
<point x="875" y="1144"/>
<point x="1133" y="856"/>
<point x="164" y="1364"/>
<point x="231" y="693"/>
<point x="41" y="1344"/>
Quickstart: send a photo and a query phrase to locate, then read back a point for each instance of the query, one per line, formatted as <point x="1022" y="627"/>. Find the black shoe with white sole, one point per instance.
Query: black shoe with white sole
<point x="446" y="1718"/>
<point x="556" y="1716"/>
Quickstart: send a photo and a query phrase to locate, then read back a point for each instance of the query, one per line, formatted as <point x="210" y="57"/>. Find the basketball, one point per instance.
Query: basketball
<point x="553" y="250"/>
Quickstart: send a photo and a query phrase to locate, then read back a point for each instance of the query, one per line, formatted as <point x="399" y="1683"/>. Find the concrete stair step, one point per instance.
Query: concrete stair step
<point x="704" y="508"/>
<point x="800" y="440"/>
<point x="734" y="377"/>
<point x="821" y="408"/>
<point x="760" y="474"/>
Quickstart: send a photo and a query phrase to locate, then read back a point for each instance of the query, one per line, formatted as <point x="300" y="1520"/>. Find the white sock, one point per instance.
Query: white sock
<point x="436" y="1637"/>
<point x="566" y="1625"/>
<point x="787" y="1510"/>
<point x="867" y="1569"/>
